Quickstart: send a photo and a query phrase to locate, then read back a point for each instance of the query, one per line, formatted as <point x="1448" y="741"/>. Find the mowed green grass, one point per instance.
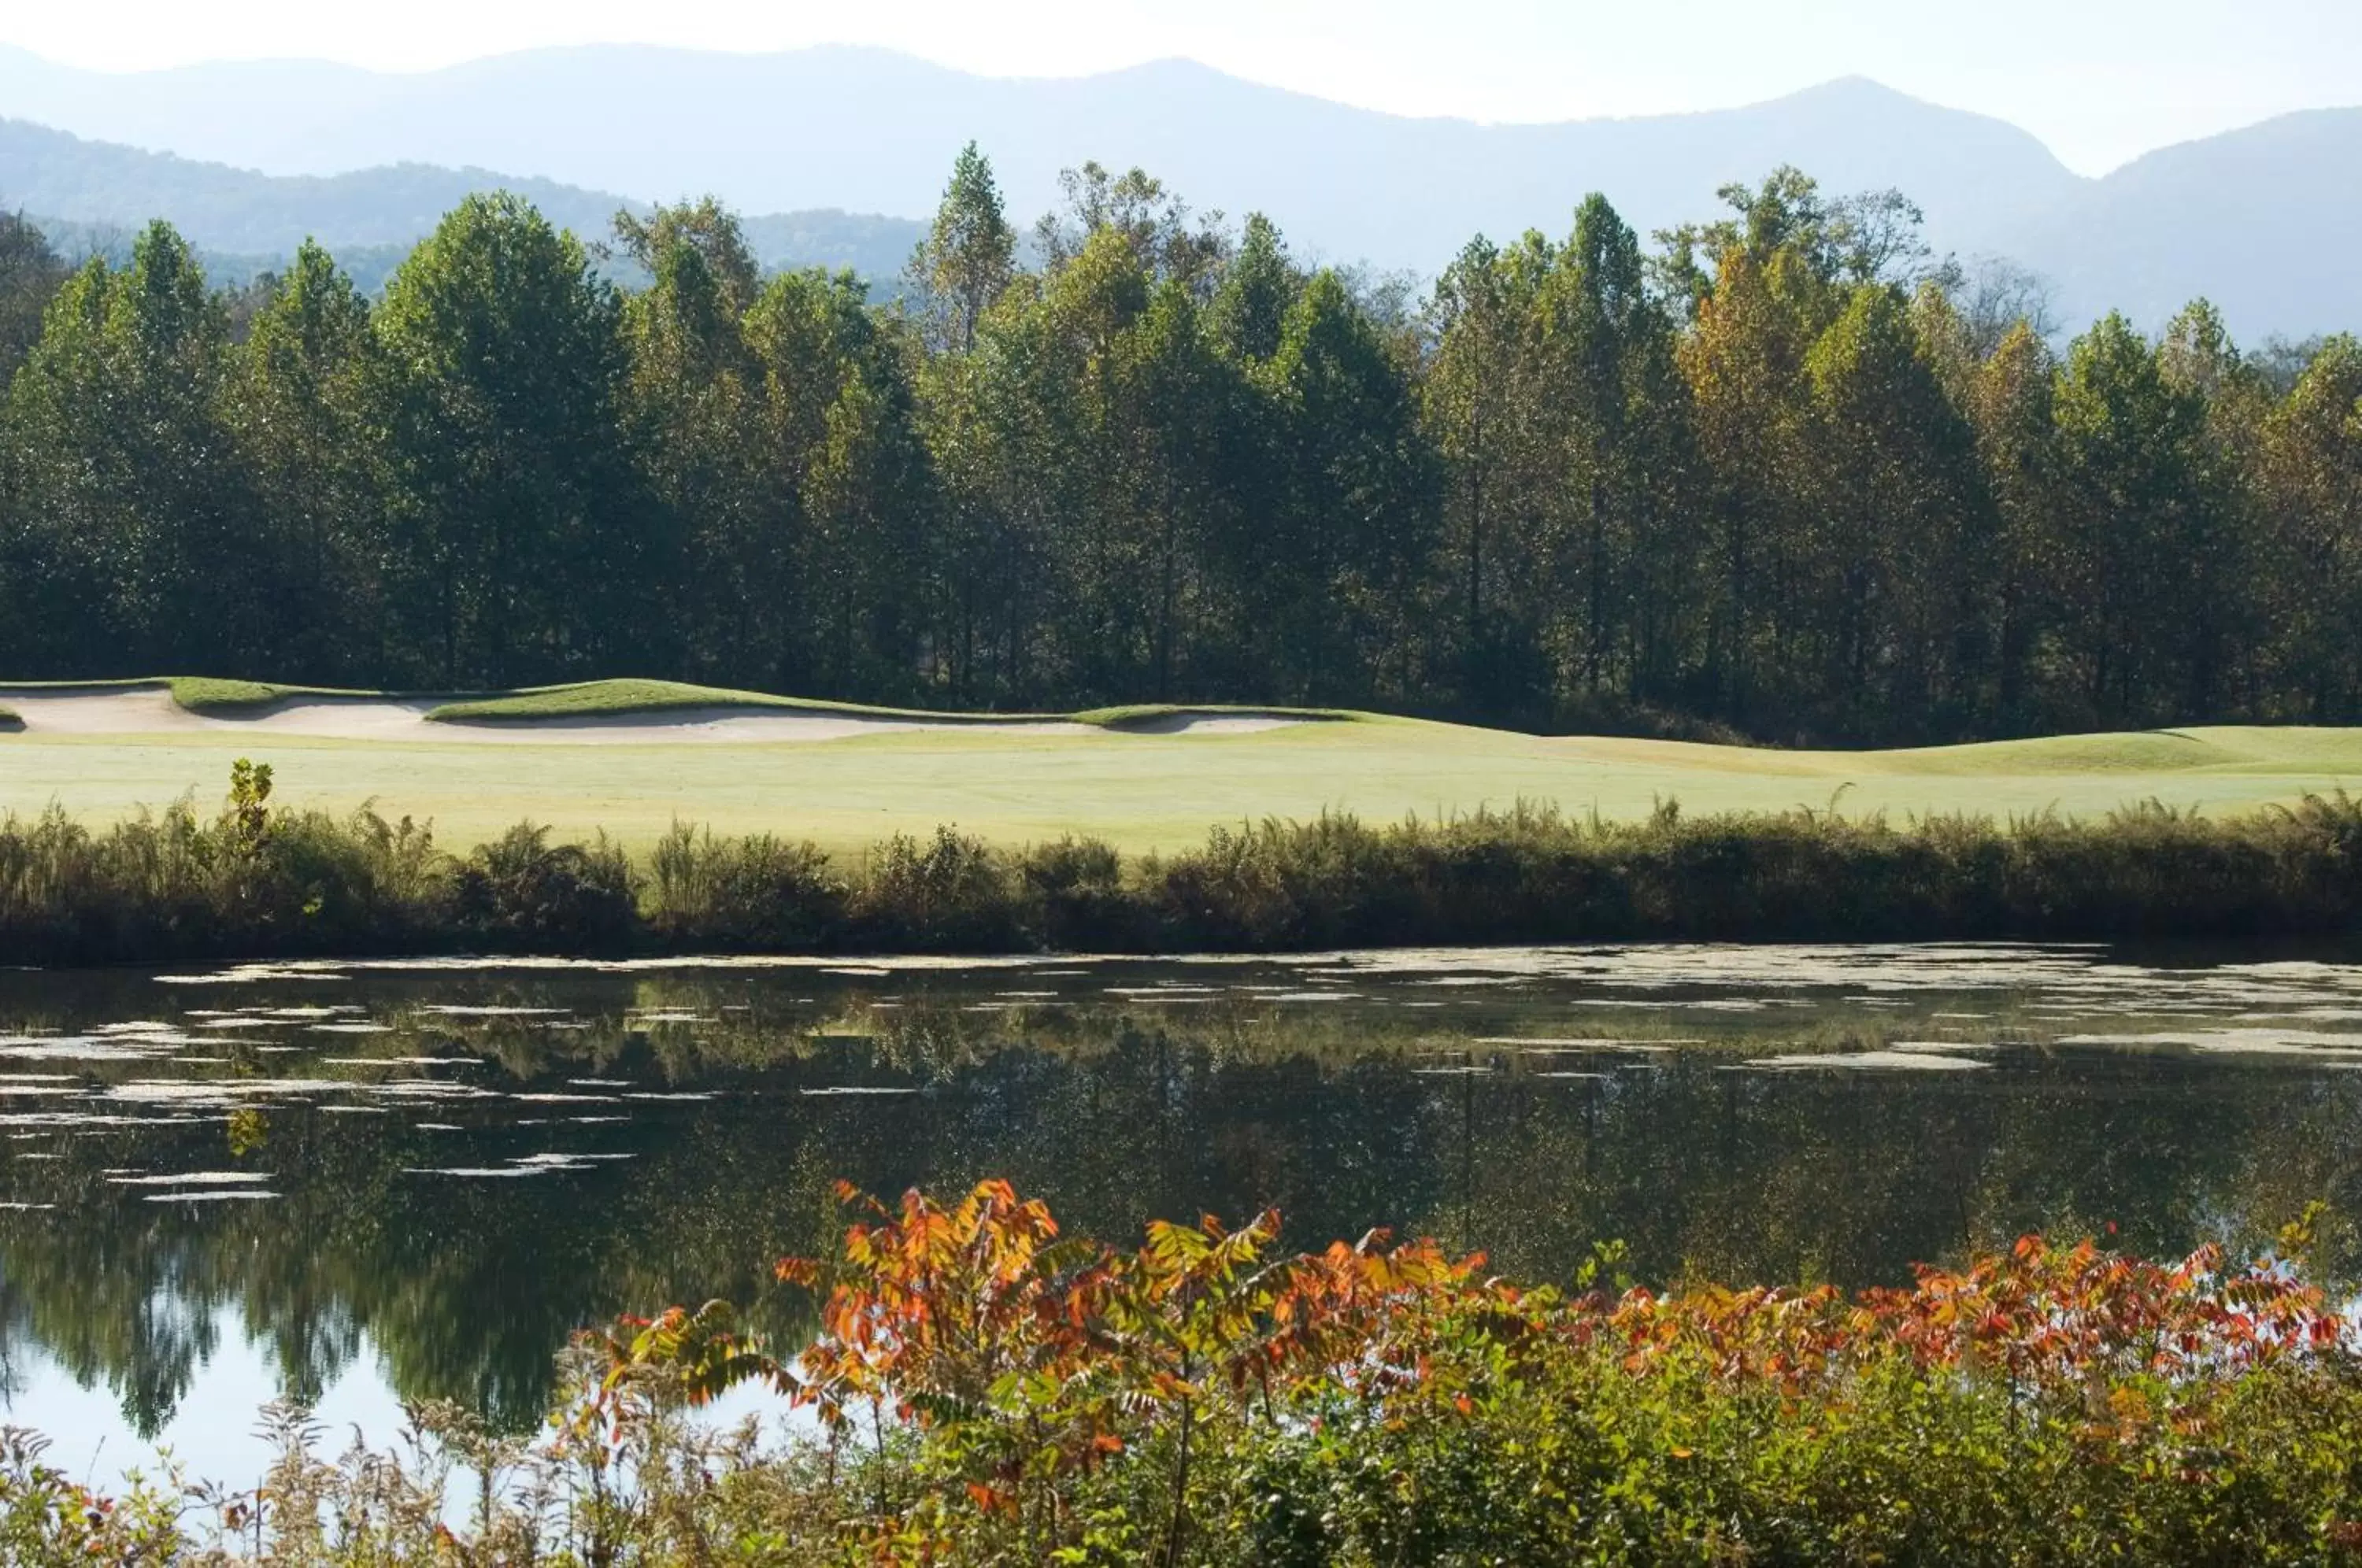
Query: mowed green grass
<point x="1145" y="791"/>
<point x="221" y="697"/>
<point x="623" y="698"/>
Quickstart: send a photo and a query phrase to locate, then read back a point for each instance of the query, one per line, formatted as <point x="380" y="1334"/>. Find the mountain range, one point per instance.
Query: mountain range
<point x="90" y="197"/>
<point x="2261" y="220"/>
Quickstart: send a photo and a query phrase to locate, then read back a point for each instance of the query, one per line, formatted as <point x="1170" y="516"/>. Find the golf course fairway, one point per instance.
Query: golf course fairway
<point x="849" y="777"/>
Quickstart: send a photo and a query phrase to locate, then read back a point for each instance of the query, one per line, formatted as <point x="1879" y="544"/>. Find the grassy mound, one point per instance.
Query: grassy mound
<point x="618" y="698"/>
<point x="217" y="698"/>
<point x="10" y="720"/>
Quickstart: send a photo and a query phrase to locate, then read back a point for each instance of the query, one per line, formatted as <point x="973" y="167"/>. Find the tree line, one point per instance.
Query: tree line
<point x="1784" y="473"/>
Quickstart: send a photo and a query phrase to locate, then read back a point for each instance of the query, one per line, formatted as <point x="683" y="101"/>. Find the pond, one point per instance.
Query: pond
<point x="367" y="1183"/>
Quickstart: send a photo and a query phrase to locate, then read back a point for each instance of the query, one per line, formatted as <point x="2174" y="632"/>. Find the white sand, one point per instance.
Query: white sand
<point x="1211" y="725"/>
<point x="150" y="710"/>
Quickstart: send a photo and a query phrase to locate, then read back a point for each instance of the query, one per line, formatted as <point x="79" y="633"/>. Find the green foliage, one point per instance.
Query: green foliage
<point x="298" y="401"/>
<point x="204" y="694"/>
<point x="248" y="815"/>
<point x="512" y="495"/>
<point x="760" y="893"/>
<point x="989" y="1390"/>
<point x="30" y="271"/>
<point x="1788" y="478"/>
<point x="1075" y="894"/>
<point x="252" y="880"/>
<point x="969" y="255"/>
<point x="1259" y="288"/>
<point x="261" y="881"/>
<point x="595" y="699"/>
<point x="522" y="892"/>
<point x="948" y="893"/>
<point x="128" y="482"/>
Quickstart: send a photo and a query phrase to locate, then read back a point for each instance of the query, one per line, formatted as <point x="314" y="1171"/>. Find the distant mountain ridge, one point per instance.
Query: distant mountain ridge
<point x="2257" y="219"/>
<point x="95" y="193"/>
<point x="866" y="129"/>
<point x="2265" y="221"/>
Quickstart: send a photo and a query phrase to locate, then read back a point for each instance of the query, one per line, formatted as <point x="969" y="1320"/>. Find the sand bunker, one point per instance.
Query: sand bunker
<point x="1211" y="724"/>
<point x="150" y="710"/>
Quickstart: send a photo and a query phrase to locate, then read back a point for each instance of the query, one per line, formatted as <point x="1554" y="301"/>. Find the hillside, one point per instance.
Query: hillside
<point x="91" y="196"/>
<point x="871" y="131"/>
<point x="2257" y="219"/>
<point x="2265" y="221"/>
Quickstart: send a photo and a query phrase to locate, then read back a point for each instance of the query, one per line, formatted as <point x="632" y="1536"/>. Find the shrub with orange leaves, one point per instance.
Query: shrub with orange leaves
<point x="1065" y="1397"/>
<point x="991" y="1391"/>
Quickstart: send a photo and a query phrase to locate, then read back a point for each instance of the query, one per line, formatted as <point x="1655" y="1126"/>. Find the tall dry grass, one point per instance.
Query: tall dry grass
<point x="256" y="880"/>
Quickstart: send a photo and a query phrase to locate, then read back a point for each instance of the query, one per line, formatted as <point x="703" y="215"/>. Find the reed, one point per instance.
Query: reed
<point x="256" y="880"/>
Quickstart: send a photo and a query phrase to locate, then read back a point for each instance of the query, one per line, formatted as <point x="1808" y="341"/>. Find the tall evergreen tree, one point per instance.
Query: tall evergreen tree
<point x="1744" y="362"/>
<point x="693" y="403"/>
<point x="2309" y="482"/>
<point x="298" y="407"/>
<point x="1789" y="475"/>
<point x="851" y="496"/>
<point x="1481" y="390"/>
<point x="520" y="535"/>
<point x="2140" y="516"/>
<point x="1903" y="526"/>
<point x="970" y="251"/>
<point x="1259" y="284"/>
<point x="1179" y="406"/>
<point x="131" y="490"/>
<point x="2010" y="404"/>
<point x="1353" y="516"/>
<point x="1621" y="420"/>
<point x="31" y="272"/>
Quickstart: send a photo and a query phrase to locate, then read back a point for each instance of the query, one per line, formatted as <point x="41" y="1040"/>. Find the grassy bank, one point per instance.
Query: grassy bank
<point x="990" y="1392"/>
<point x="255" y="880"/>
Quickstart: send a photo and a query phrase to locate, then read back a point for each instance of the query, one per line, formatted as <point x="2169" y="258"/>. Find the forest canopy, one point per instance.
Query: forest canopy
<point x="1783" y="473"/>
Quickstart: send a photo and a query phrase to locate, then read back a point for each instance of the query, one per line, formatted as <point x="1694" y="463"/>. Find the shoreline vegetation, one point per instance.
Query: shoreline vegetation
<point x="990" y="1391"/>
<point x="258" y="881"/>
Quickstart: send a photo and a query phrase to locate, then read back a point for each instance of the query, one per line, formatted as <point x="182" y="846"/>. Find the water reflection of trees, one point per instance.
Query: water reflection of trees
<point x="464" y="1287"/>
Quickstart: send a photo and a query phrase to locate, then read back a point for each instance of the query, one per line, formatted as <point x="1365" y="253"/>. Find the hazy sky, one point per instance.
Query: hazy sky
<point x="2101" y="81"/>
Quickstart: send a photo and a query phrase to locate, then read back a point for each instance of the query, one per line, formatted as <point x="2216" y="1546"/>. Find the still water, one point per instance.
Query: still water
<point x="362" y="1184"/>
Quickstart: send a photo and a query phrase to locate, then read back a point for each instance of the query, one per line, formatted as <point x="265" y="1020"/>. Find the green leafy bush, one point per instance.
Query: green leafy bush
<point x="759" y="892"/>
<point x="522" y="891"/>
<point x="1074" y="893"/>
<point x="949" y="893"/>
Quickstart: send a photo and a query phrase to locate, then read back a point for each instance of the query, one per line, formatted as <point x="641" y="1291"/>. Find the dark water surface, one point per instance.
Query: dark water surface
<point x="362" y="1184"/>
